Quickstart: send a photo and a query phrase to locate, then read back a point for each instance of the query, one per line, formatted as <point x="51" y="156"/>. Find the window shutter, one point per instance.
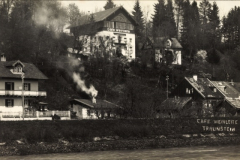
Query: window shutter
<point x="6" y="104"/>
<point x="12" y="102"/>
<point x="29" y="86"/>
<point x="12" y="85"/>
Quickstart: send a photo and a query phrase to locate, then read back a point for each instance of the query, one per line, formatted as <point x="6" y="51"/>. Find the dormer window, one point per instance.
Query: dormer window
<point x="17" y="69"/>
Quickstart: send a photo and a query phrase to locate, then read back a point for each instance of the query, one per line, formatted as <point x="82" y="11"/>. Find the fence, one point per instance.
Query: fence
<point x="36" y="115"/>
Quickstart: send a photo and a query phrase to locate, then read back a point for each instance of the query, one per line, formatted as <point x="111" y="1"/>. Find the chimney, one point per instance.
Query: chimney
<point x="94" y="100"/>
<point x="195" y="77"/>
<point x="232" y="83"/>
<point x="3" y="58"/>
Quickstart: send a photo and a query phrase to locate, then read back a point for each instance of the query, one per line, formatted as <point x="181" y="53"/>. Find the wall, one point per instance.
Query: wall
<point x="17" y="105"/>
<point x="18" y="84"/>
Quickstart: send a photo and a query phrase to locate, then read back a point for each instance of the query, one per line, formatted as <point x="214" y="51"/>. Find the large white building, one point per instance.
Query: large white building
<point x="111" y="30"/>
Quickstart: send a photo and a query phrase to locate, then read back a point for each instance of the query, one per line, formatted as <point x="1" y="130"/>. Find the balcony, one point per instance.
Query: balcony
<point x="26" y="93"/>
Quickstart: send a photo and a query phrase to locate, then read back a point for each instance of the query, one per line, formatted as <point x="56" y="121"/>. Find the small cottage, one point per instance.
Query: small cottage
<point x="88" y="109"/>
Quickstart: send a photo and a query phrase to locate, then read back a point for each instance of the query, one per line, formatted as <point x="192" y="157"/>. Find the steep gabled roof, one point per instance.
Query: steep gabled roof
<point x="100" y="104"/>
<point x="29" y="69"/>
<point x="233" y="102"/>
<point x="228" y="89"/>
<point x="174" y="103"/>
<point x="100" y="16"/>
<point x="203" y="87"/>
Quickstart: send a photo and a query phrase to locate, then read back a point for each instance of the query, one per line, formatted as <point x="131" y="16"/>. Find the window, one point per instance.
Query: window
<point x="27" y="87"/>
<point x="9" y="102"/>
<point x="17" y="69"/>
<point x="109" y="24"/>
<point x="9" y="86"/>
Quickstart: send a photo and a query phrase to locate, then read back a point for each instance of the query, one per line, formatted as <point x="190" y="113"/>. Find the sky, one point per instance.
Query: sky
<point x="147" y="5"/>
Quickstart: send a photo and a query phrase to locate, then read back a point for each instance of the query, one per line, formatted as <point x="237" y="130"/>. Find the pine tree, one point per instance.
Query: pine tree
<point x="214" y="23"/>
<point x="179" y="13"/>
<point x="231" y="28"/>
<point x="204" y="11"/>
<point x="139" y="29"/>
<point x="186" y="25"/>
<point x="109" y="5"/>
<point x="158" y="19"/>
<point x="170" y="28"/>
<point x="138" y="16"/>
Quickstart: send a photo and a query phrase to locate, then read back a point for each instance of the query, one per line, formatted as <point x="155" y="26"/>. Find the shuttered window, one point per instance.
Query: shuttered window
<point x="9" y="102"/>
<point x="9" y="86"/>
<point x="27" y="86"/>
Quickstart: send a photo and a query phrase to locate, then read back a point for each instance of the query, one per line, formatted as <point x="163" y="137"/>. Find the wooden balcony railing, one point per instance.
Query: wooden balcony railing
<point x="26" y="93"/>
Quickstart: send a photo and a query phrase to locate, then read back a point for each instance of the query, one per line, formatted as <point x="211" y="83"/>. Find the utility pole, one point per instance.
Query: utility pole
<point x="22" y="76"/>
<point x="167" y="78"/>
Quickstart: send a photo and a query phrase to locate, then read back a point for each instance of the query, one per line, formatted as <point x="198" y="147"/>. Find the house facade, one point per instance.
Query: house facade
<point x="231" y="92"/>
<point x="111" y="31"/>
<point x="162" y="50"/>
<point x="205" y="96"/>
<point x="87" y="109"/>
<point x="19" y="87"/>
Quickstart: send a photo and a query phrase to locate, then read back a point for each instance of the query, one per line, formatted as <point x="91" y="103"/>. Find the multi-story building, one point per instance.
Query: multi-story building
<point x="19" y="86"/>
<point x="111" y="30"/>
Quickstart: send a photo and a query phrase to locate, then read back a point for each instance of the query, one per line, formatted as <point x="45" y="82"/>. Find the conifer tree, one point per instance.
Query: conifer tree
<point x="204" y="12"/>
<point x="139" y="29"/>
<point x="158" y="19"/>
<point x="138" y="16"/>
<point x="109" y="5"/>
<point x="214" y="23"/>
<point x="179" y="12"/>
<point x="170" y="27"/>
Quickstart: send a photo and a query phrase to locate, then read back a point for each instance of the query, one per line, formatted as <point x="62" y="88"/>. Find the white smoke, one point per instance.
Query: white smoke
<point x="81" y="84"/>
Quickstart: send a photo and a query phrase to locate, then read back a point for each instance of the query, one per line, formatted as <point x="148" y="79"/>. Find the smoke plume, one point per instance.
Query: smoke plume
<point x="81" y="84"/>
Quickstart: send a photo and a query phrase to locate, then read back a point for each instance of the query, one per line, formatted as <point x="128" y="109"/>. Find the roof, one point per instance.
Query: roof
<point x="99" y="16"/>
<point x="204" y="87"/>
<point x="228" y="89"/>
<point x="98" y="105"/>
<point x="234" y="102"/>
<point x="174" y="103"/>
<point x="161" y="42"/>
<point x="29" y="69"/>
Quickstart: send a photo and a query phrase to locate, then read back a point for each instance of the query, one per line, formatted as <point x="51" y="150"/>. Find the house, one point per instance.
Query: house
<point x="162" y="50"/>
<point x="231" y="92"/>
<point x="174" y="107"/>
<point x="87" y="109"/>
<point x="19" y="87"/>
<point x="205" y="96"/>
<point x="111" y="30"/>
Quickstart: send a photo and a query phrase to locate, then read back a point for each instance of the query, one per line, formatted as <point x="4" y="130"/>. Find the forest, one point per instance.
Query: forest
<point x="33" y="31"/>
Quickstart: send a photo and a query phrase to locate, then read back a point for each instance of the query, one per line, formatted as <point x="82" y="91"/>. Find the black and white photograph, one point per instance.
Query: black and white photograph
<point x="119" y="79"/>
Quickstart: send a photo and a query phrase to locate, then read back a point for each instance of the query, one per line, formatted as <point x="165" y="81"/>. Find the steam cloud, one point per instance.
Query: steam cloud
<point x="81" y="84"/>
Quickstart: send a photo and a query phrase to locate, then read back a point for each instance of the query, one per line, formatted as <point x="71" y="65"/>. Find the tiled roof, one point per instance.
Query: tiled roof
<point x="228" y="89"/>
<point x="174" y="103"/>
<point x="161" y="42"/>
<point x="29" y="69"/>
<point x="204" y="87"/>
<point x="98" y="105"/>
<point x="98" y="16"/>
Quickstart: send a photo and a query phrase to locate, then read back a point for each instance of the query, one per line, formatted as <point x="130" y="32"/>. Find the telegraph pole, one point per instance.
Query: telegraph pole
<point x="22" y="76"/>
<point x="167" y="78"/>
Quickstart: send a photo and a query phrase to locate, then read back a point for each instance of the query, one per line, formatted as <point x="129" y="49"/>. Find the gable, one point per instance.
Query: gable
<point x="120" y="18"/>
